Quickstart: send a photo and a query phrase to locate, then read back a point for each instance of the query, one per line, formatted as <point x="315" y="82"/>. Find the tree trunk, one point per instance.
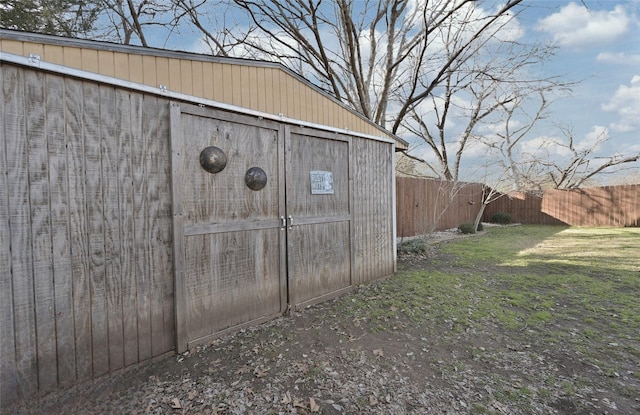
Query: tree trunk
<point x="479" y="217"/>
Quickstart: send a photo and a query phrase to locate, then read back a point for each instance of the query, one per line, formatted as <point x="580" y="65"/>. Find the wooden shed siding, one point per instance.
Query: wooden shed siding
<point x="86" y="218"/>
<point x="238" y="84"/>
<point x="7" y="343"/>
<point x="85" y="228"/>
<point x="373" y="213"/>
<point x="22" y="371"/>
<point x="69" y="56"/>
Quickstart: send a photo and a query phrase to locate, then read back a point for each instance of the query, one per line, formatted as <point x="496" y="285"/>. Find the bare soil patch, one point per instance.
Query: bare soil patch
<point x="330" y="359"/>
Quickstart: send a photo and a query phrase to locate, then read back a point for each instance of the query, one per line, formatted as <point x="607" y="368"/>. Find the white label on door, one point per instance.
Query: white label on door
<point x="321" y="182"/>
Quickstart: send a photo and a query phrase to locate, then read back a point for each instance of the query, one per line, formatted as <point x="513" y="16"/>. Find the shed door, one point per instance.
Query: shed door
<point x="318" y="211"/>
<point x="242" y="255"/>
<point x="230" y="244"/>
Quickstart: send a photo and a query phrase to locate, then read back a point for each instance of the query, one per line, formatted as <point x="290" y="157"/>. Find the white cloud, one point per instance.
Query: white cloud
<point x="626" y="103"/>
<point x="620" y="58"/>
<point x="575" y="26"/>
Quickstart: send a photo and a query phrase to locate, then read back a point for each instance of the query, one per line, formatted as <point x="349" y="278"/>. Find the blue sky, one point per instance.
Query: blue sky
<point x="599" y="46"/>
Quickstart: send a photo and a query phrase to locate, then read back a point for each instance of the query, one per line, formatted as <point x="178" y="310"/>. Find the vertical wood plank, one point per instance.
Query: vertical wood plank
<point x="394" y="210"/>
<point x="245" y="85"/>
<point x="95" y="225"/>
<point x="217" y="81"/>
<point x="278" y="97"/>
<point x="150" y="71"/>
<point x="352" y="231"/>
<point x="339" y="116"/>
<point x="251" y="101"/>
<point x="140" y="220"/>
<point x="197" y="80"/>
<point x="200" y="285"/>
<point x="41" y="230"/>
<point x="78" y="229"/>
<point x="53" y="54"/>
<point x="89" y="60"/>
<point x="8" y="373"/>
<point x="208" y="84"/>
<point x="356" y="213"/>
<point x="175" y="76"/>
<point x="262" y="88"/>
<point x="371" y="179"/>
<point x="178" y="228"/>
<point x="269" y="89"/>
<point x="156" y="129"/>
<point x="371" y="167"/>
<point x="136" y="70"/>
<point x="292" y="96"/>
<point x="21" y="243"/>
<point x="306" y="112"/>
<point x="162" y="71"/>
<point x="106" y="63"/>
<point x="127" y="235"/>
<point x="235" y="83"/>
<point x="284" y="134"/>
<point x="326" y="105"/>
<point x="109" y="142"/>
<point x="186" y="77"/>
<point x="59" y="196"/>
<point x="121" y="65"/>
<point x="315" y="106"/>
<point x="72" y="56"/>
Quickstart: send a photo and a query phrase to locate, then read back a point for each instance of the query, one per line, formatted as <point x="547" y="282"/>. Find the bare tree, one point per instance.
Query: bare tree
<point x="479" y="94"/>
<point x="362" y="51"/>
<point x="130" y="21"/>
<point x="580" y="166"/>
<point x="218" y="27"/>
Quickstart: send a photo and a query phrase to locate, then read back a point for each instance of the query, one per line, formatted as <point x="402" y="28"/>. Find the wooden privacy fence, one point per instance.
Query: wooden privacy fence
<point x="427" y="205"/>
<point x="615" y="206"/>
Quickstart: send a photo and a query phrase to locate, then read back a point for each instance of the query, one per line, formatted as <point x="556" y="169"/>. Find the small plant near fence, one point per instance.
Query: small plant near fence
<point x="413" y="246"/>
<point x="501" y="218"/>
<point x="468" y="228"/>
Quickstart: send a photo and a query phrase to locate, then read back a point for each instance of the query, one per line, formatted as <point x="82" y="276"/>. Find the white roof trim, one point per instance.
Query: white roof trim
<point x="35" y="62"/>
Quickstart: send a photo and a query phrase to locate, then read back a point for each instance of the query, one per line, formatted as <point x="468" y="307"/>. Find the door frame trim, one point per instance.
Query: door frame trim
<point x="177" y="205"/>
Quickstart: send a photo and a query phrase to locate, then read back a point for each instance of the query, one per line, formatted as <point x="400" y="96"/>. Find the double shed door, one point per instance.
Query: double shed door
<point x="241" y="255"/>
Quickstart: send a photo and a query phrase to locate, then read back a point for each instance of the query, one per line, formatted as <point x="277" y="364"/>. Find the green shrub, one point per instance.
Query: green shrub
<point x="414" y="246"/>
<point x="467" y="228"/>
<point x="501" y="218"/>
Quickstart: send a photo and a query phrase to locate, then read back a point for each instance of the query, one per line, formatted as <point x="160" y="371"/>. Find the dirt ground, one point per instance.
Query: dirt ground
<point x="319" y="361"/>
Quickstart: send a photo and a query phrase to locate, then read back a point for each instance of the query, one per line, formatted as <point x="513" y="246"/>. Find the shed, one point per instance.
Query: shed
<point x="139" y="220"/>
